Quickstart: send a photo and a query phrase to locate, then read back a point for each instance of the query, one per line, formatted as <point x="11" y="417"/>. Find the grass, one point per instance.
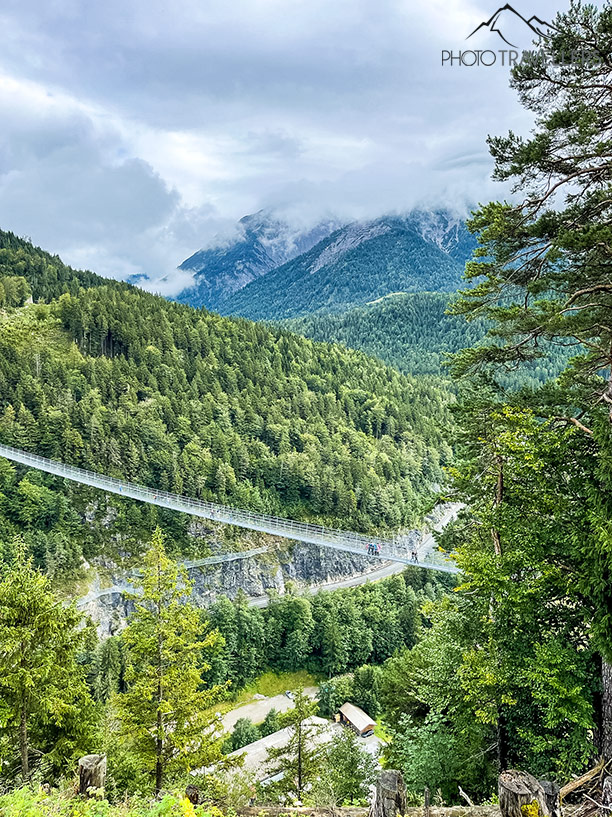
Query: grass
<point x="275" y="683"/>
<point x="31" y="803"/>
<point x="268" y="684"/>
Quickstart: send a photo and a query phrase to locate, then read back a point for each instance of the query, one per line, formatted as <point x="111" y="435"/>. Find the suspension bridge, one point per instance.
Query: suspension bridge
<point x="394" y="550"/>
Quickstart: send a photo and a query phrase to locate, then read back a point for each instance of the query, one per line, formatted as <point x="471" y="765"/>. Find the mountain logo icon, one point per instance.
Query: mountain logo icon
<point x="506" y="17"/>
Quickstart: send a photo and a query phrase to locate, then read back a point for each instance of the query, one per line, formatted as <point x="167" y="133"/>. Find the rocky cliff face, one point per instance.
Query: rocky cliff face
<point x="303" y="564"/>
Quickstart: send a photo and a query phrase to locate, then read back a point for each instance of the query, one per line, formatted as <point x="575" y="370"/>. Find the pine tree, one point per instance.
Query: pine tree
<point x="164" y="710"/>
<point x="542" y="273"/>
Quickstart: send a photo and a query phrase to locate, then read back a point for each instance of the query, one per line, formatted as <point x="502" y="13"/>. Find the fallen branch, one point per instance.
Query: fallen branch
<point x="580" y="781"/>
<point x="466" y="798"/>
<point x="599" y="805"/>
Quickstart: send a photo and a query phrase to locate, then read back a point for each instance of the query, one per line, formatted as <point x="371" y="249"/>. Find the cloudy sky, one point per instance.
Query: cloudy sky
<point x="133" y="131"/>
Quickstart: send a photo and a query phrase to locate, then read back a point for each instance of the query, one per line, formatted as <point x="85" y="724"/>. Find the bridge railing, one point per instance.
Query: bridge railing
<point x="348" y="541"/>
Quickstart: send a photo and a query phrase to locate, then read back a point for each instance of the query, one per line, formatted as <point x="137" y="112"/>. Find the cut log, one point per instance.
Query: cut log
<point x="92" y="774"/>
<point x="518" y="789"/>
<point x="389" y="796"/>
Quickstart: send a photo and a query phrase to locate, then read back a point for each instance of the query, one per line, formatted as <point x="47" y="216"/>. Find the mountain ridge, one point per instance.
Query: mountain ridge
<point x="363" y="261"/>
<point x="264" y="242"/>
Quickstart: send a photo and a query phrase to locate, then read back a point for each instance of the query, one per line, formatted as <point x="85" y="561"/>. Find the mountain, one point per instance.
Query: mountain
<point x="444" y="229"/>
<point x="360" y="263"/>
<point x="264" y="242"/>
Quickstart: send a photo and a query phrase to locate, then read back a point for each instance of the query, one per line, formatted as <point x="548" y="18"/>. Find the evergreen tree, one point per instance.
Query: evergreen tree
<point x="347" y="772"/>
<point x="299" y="759"/>
<point x="542" y="276"/>
<point x="271" y="724"/>
<point x="163" y="712"/>
<point x="44" y="702"/>
<point x="245" y="732"/>
<point x="109" y="668"/>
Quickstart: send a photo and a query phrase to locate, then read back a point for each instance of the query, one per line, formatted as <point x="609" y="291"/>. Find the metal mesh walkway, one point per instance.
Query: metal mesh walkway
<point x="348" y="541"/>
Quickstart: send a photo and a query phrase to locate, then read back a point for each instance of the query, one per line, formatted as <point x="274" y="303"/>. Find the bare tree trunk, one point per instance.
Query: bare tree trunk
<point x="23" y="744"/>
<point x="499" y="496"/>
<point x="299" y="783"/>
<point x="606" y="710"/>
<point x="389" y="797"/>
<point x="606" y="668"/>
<point x="159" y="748"/>
<point x="502" y="743"/>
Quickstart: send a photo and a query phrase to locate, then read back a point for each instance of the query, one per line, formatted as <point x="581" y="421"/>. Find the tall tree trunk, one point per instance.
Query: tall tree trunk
<point x="159" y="748"/>
<point x="502" y="743"/>
<point x="606" y="710"/>
<point x="499" y="496"/>
<point x="606" y="668"/>
<point x="299" y="786"/>
<point x="23" y="744"/>
<point x="159" y="741"/>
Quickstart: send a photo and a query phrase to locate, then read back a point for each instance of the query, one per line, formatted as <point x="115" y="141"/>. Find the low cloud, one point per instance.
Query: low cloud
<point x="133" y="134"/>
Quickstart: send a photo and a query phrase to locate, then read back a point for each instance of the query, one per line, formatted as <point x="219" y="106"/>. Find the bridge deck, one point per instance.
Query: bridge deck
<point x="348" y="541"/>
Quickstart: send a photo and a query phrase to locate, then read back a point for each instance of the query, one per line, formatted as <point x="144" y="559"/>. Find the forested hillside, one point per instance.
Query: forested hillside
<point x="411" y="332"/>
<point x="415" y="334"/>
<point x="126" y="383"/>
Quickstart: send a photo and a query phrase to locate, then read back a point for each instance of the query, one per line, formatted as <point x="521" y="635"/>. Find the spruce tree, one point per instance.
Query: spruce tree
<point x="299" y="759"/>
<point x="164" y="712"/>
<point x="44" y="702"/>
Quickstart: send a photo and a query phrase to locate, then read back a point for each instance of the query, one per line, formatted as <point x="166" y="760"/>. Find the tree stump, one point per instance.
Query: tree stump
<point x="389" y="795"/>
<point x="517" y="789"/>
<point x="92" y="773"/>
<point x="552" y="792"/>
<point x="192" y="793"/>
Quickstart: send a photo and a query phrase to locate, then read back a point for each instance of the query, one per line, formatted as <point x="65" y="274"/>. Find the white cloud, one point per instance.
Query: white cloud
<point x="134" y="131"/>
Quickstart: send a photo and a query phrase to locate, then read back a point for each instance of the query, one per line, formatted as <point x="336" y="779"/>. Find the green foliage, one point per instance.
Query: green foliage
<point x="14" y="291"/>
<point x="123" y="382"/>
<point x="109" y="668"/>
<point x="533" y="465"/>
<point x="424" y="709"/>
<point x="361" y="688"/>
<point x="505" y="675"/>
<point x="245" y="732"/>
<point x="46" y="714"/>
<point x="411" y="332"/>
<point x="299" y="759"/>
<point x="270" y="724"/>
<point x="327" y="633"/>
<point x="347" y="772"/>
<point x="163" y="712"/>
<point x="416" y="334"/>
<point x="30" y="803"/>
